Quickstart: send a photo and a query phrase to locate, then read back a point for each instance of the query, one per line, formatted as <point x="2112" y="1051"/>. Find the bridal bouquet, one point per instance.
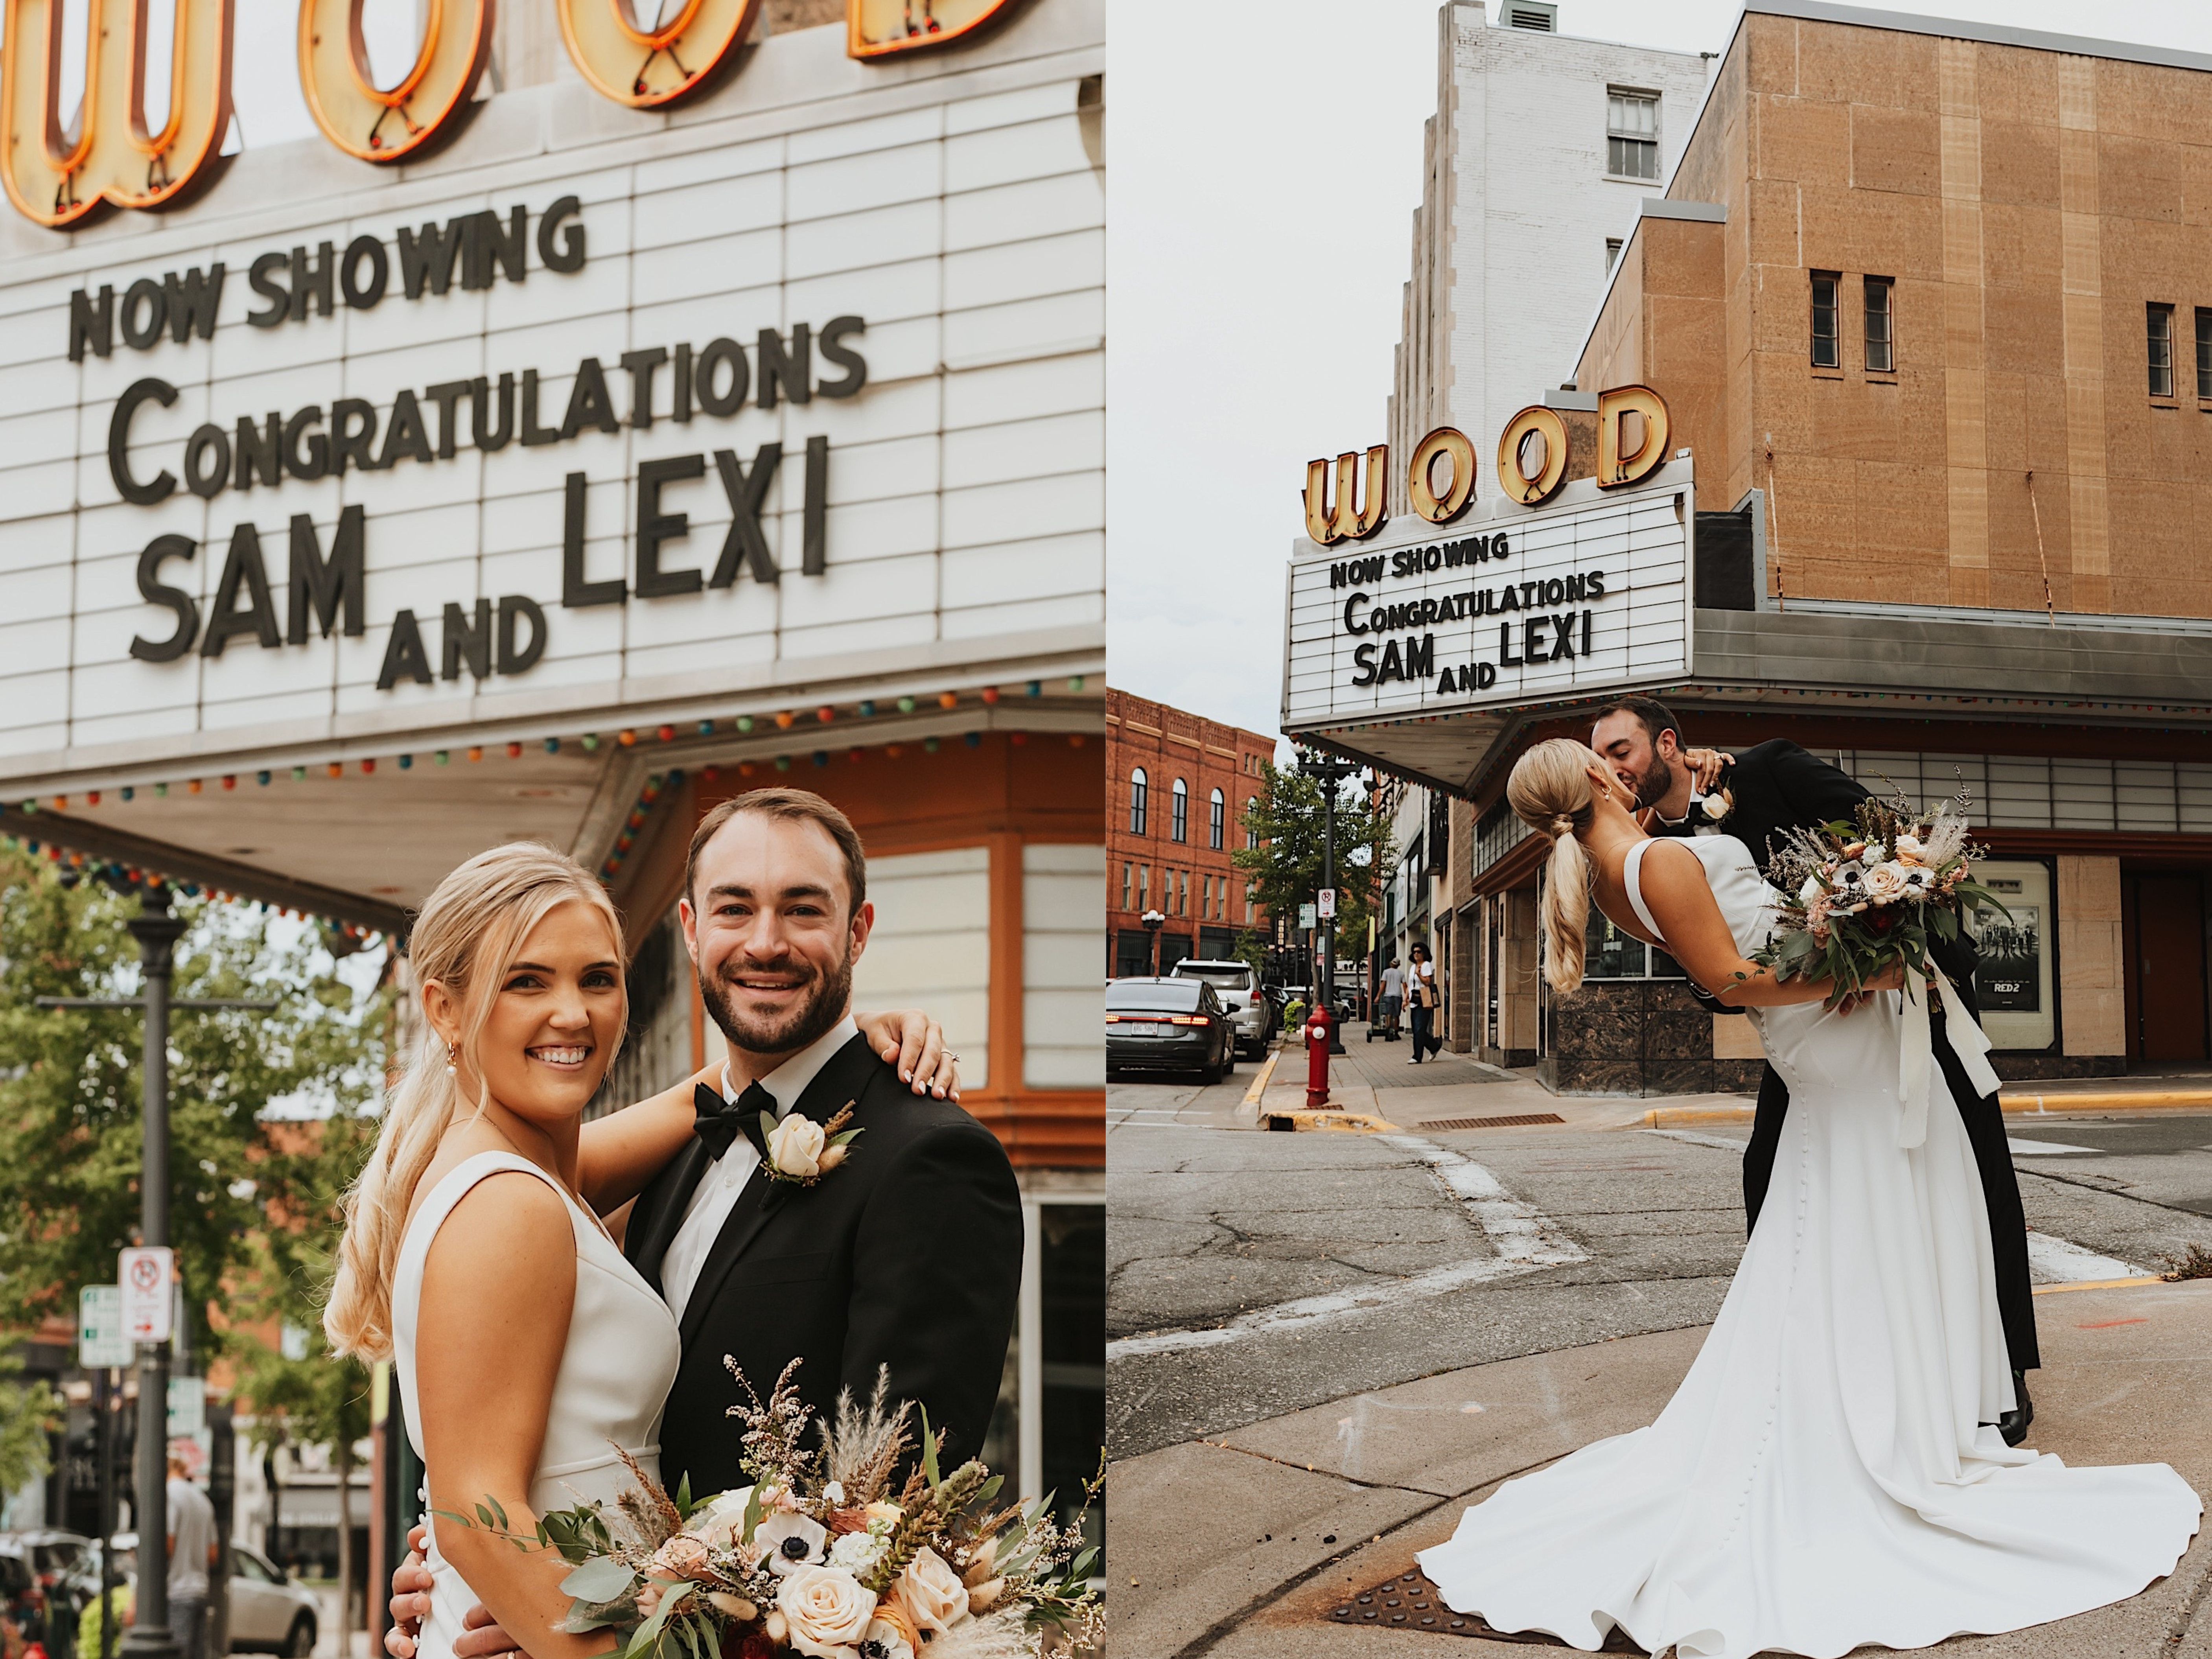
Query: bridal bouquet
<point x="821" y="1555"/>
<point x="1862" y="895"/>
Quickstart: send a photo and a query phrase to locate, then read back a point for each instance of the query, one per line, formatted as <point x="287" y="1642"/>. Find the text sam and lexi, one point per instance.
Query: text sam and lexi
<point x="716" y="380"/>
<point x="1547" y="635"/>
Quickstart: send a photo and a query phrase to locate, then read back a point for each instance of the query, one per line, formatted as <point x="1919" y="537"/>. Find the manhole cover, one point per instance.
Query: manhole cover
<point x="1409" y="1601"/>
<point x="1516" y="1122"/>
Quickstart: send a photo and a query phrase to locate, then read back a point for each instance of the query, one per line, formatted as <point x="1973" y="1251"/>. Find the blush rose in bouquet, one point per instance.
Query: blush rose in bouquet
<point x="828" y="1554"/>
<point x="1860" y="896"/>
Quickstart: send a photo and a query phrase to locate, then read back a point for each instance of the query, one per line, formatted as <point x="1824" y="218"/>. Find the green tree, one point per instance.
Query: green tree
<point x="250" y="1194"/>
<point x="1288" y="863"/>
<point x="29" y="1413"/>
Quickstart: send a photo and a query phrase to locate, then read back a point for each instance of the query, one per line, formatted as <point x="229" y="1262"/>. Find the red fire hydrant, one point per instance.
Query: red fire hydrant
<point x="1317" y="1036"/>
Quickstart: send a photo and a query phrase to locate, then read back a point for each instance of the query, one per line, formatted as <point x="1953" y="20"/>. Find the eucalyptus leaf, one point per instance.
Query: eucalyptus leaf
<point x="600" y="1579"/>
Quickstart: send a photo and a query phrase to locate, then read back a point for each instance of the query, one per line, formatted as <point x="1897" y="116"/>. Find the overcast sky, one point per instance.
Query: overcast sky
<point x="1265" y="164"/>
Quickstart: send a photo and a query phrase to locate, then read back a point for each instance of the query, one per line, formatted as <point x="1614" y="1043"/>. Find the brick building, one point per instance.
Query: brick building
<point x="1177" y="788"/>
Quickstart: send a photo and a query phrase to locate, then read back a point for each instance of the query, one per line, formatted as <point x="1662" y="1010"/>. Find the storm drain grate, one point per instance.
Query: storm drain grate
<point x="1409" y="1601"/>
<point x="1516" y="1122"/>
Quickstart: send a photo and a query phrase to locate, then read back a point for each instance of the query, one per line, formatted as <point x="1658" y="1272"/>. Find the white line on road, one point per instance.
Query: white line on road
<point x="1697" y="1140"/>
<point x="1525" y="1241"/>
<point x="2041" y="1148"/>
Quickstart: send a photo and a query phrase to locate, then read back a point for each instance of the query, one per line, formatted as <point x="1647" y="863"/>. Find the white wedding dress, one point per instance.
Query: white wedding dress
<point x="615" y="1371"/>
<point x="1823" y="1478"/>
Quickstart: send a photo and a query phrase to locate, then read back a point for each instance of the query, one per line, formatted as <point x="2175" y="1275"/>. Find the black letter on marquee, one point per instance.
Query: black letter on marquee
<point x="466" y="638"/>
<point x="682" y="409"/>
<point x="589" y="402"/>
<point x="814" y="554"/>
<point x="575" y="592"/>
<point x="193" y="301"/>
<point x="715" y="353"/>
<point x="746" y="492"/>
<point x="154" y="591"/>
<point x="262" y="275"/>
<point x="512" y="660"/>
<point x="426" y="260"/>
<point x="532" y="434"/>
<point x="641" y="365"/>
<point x="655" y="527"/>
<point x="243" y="568"/>
<point x="260" y="454"/>
<point x="403" y="434"/>
<point x="156" y="309"/>
<point x="833" y="348"/>
<point x="404" y="653"/>
<point x="207" y="481"/>
<point x="118" y="443"/>
<point x="490" y="437"/>
<point x="92" y="323"/>
<point x="345" y="441"/>
<point x="792" y="371"/>
<point x="317" y="588"/>
<point x="1421" y="657"/>
<point x="360" y="295"/>
<point x="1365" y="656"/>
<point x="317" y="461"/>
<point x="312" y="285"/>
<point x="570" y="254"/>
<point x="446" y="394"/>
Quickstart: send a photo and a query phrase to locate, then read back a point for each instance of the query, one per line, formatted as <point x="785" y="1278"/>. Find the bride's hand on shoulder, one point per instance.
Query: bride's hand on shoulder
<point x="913" y="1042"/>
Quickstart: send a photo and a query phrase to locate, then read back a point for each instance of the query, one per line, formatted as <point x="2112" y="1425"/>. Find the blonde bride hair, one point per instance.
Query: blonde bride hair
<point x="1550" y="789"/>
<point x="468" y="930"/>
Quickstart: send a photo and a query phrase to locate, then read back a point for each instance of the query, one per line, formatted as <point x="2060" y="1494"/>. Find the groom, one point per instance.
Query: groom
<point x="906" y="1254"/>
<point x="1770" y="790"/>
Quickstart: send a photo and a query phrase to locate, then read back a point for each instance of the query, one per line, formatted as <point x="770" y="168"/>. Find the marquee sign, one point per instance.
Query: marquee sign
<point x="1507" y="606"/>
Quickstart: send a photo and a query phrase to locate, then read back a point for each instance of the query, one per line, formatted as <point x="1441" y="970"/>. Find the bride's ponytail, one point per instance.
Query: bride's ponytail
<point x="471" y="926"/>
<point x="1550" y="790"/>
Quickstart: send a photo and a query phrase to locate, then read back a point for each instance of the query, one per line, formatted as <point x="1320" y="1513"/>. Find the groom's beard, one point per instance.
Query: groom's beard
<point x="824" y="1007"/>
<point x="1657" y="783"/>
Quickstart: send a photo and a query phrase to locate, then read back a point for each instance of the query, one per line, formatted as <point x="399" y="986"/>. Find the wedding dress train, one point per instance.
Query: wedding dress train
<point x="1826" y="1476"/>
<point x="615" y="1371"/>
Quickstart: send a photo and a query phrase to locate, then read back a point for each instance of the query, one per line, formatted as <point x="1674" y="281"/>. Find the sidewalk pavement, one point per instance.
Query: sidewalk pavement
<point x="1238" y="1547"/>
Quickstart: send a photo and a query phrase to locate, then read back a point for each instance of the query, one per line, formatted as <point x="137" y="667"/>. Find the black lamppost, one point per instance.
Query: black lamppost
<point x="1328" y="772"/>
<point x="157" y="932"/>
<point x="1154" y="920"/>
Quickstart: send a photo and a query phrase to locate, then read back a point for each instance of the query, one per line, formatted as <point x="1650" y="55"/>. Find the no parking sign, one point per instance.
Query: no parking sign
<point x="148" y="1274"/>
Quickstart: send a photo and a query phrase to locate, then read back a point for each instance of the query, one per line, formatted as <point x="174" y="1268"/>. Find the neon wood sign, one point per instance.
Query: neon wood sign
<point x="56" y="178"/>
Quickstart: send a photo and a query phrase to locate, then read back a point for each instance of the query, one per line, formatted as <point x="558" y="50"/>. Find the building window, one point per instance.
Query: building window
<point x="2160" y="323"/>
<point x="1612" y="253"/>
<point x="1144" y="887"/>
<point x="1251" y="836"/>
<point x="1632" y="134"/>
<point x="1181" y="879"/>
<point x="1612" y="954"/>
<point x="1128" y="880"/>
<point x="1139" y="789"/>
<point x="1826" y="284"/>
<point x="1179" y="822"/>
<point x="1216" y="822"/>
<point x="1248" y="889"/>
<point x="2203" y="353"/>
<point x="1881" y="347"/>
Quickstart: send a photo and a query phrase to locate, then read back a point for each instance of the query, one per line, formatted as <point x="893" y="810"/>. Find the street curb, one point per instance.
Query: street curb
<point x="2051" y="1105"/>
<point x="2099" y="1284"/>
<point x="1260" y="1083"/>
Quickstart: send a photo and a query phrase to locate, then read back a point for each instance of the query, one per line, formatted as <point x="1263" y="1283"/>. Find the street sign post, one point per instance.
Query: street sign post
<point x="101" y="1341"/>
<point x="147" y="1275"/>
<point x="1306" y="917"/>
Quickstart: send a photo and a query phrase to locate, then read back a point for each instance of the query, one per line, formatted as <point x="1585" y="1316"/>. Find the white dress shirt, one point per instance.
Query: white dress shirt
<point x="724" y="1179"/>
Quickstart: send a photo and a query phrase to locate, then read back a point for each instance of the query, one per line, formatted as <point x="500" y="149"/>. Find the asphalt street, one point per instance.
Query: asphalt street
<point x="1253" y="1274"/>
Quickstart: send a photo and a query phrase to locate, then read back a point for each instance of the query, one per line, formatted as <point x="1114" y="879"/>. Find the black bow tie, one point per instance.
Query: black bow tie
<point x="719" y="1121"/>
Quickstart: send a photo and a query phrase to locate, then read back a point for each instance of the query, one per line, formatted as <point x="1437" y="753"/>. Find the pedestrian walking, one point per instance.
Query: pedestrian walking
<point x="1393" y="991"/>
<point x="1423" y="999"/>
<point x="192" y="1553"/>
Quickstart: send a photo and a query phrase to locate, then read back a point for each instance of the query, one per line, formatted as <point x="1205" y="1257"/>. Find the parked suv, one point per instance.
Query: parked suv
<point x="1241" y="996"/>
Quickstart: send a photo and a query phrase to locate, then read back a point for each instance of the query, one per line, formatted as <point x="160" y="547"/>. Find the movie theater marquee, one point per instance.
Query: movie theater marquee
<point x="1590" y="593"/>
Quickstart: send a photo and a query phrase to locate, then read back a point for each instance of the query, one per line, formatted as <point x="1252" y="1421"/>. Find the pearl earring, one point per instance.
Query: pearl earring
<point x="452" y="1059"/>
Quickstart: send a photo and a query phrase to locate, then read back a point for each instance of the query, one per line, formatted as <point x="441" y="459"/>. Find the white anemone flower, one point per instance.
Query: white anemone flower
<point x="789" y="1542"/>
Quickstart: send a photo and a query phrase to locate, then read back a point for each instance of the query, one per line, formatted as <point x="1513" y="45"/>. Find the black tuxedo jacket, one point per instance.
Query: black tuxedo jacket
<point x="909" y="1255"/>
<point x="1776" y="787"/>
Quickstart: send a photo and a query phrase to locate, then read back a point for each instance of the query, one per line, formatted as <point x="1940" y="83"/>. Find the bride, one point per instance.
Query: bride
<point x="1827" y="1475"/>
<point x="531" y="1356"/>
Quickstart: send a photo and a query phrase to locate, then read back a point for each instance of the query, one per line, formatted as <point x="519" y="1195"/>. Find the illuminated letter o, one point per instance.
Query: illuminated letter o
<point x="372" y="124"/>
<point x="1447" y="441"/>
<point x="646" y="68"/>
<point x="1532" y="489"/>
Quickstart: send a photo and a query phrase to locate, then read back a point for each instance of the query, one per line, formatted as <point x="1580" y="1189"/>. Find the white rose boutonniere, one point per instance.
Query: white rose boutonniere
<point x="799" y="1150"/>
<point x="1712" y="808"/>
